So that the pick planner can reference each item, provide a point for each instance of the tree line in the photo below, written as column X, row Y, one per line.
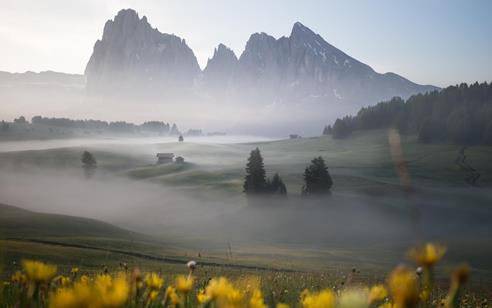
column 317, row 179
column 459, row 114
column 89, row 124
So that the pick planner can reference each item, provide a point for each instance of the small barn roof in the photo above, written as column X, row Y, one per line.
column 165, row 155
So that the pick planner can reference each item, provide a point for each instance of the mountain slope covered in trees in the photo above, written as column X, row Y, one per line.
column 459, row 114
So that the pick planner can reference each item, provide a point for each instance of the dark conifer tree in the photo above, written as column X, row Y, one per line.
column 88, row 163
column 317, row 179
column 327, row 130
column 277, row 186
column 255, row 181
column 341, row 129
column 88, row 160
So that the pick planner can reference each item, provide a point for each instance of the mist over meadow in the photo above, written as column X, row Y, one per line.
column 204, row 217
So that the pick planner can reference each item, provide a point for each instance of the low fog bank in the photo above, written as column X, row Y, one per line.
column 243, row 116
column 27, row 145
column 190, row 214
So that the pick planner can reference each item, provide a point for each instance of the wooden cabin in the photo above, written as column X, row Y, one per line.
column 164, row 158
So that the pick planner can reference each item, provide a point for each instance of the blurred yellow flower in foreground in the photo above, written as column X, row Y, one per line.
column 18, row 277
column 219, row 287
column 80, row 295
column 112, row 292
column 256, row 300
column 202, row 297
column 458, row 278
column 323, row 299
column 62, row 280
column 154, row 281
column 153, row 295
column 377, row 293
column 172, row 296
column 222, row 293
column 403, row 285
column 184, row 284
column 38, row 271
column 427, row 255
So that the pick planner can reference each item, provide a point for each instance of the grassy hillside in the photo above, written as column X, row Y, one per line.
column 358, row 160
column 198, row 206
column 19, row 223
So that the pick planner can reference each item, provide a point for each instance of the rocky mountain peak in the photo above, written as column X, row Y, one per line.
column 221, row 67
column 132, row 52
column 299, row 29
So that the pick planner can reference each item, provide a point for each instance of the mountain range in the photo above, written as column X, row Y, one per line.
column 294, row 83
column 298, row 68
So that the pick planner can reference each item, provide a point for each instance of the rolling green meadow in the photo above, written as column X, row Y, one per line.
column 134, row 213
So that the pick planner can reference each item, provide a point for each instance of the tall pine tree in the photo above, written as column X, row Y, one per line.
column 255, row 180
column 277, row 186
column 317, row 180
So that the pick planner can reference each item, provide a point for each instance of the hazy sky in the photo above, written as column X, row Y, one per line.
column 428, row 41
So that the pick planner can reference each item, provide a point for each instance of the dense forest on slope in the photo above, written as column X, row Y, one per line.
column 459, row 114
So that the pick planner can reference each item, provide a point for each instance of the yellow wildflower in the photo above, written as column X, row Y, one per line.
column 184, row 284
column 18, row 277
column 458, row 278
column 63, row 281
column 403, row 286
column 377, row 293
column 223, row 293
column 219, row 287
column 80, row 295
column 84, row 279
column 153, row 281
column 38, row 271
column 203, row 297
column 460, row 275
column 427, row 255
column 424, row 295
column 74, row 270
column 112, row 292
column 64, row 298
column 234, row 297
column 172, row 296
column 282, row 305
column 323, row 299
column 256, row 300
column 153, row 295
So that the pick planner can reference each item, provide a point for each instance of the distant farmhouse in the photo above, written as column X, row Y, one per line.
column 164, row 158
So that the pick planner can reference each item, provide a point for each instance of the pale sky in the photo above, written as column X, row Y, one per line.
column 428, row 41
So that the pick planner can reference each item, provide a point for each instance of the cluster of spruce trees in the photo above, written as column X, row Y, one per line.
column 458, row 114
column 317, row 180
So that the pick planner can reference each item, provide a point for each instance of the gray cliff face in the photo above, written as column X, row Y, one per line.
column 304, row 66
column 131, row 52
column 220, row 69
column 300, row 69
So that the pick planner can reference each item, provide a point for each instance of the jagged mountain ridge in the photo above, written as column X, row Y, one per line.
column 132, row 52
column 301, row 68
column 220, row 69
column 304, row 65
